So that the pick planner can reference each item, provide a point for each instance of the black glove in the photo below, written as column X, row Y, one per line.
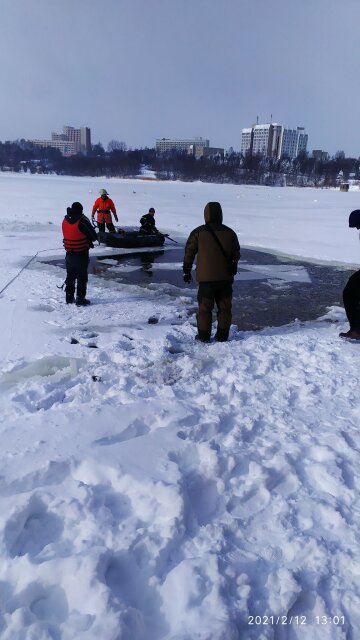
column 187, row 277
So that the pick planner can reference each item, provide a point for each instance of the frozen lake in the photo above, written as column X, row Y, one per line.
column 153, row 487
column 269, row 290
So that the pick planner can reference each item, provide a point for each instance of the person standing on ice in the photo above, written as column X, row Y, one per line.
column 351, row 293
column 79, row 236
column 218, row 252
column 147, row 222
column 104, row 207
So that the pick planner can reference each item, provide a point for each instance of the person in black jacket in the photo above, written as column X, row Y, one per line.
column 351, row 293
column 79, row 235
column 147, row 222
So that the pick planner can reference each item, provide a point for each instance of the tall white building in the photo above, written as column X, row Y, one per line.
column 273, row 140
column 246, row 140
column 70, row 142
column 293, row 142
column 81, row 138
column 266, row 140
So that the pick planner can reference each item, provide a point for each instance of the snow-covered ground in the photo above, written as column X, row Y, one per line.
column 153, row 488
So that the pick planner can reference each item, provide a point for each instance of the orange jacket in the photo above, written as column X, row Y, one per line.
column 104, row 207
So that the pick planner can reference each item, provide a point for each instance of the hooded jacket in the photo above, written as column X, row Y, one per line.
column 78, row 232
column 211, row 264
column 104, row 207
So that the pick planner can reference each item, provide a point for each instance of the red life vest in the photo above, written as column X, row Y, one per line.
column 74, row 239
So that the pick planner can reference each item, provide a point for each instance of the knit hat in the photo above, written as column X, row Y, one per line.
column 213, row 212
column 77, row 207
column 103, row 192
column 354, row 218
column 151, row 210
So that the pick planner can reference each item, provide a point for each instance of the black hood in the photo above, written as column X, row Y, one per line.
column 354, row 218
column 72, row 216
column 213, row 212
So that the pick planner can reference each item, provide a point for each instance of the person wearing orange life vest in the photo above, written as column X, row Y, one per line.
column 79, row 236
column 104, row 207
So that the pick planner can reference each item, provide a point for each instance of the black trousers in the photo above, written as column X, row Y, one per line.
column 76, row 273
column 210, row 293
column 351, row 297
column 109, row 225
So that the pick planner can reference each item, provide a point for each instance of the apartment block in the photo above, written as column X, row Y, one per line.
column 273, row 140
column 321, row 156
column 199, row 151
column 70, row 142
column 293, row 142
column 247, row 140
column 169, row 144
column 65, row 147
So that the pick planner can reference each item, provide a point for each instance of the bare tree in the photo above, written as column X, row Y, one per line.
column 116, row 145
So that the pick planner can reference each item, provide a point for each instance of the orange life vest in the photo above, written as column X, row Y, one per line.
column 74, row 239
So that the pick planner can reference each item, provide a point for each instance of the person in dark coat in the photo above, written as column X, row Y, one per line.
column 215, row 269
column 79, row 235
column 147, row 222
column 351, row 293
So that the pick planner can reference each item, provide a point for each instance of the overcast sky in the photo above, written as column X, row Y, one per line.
column 137, row 70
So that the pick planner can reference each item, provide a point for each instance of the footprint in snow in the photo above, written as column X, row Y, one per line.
column 46, row 603
column 42, row 307
column 129, row 586
column 87, row 335
column 87, row 339
column 175, row 345
column 32, row 529
column 134, row 430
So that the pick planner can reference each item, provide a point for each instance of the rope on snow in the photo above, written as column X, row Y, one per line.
column 24, row 267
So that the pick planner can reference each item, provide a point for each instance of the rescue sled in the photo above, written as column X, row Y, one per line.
column 130, row 239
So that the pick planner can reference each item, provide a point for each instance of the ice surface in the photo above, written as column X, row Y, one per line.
column 153, row 488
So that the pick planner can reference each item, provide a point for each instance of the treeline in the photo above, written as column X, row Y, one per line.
column 305, row 170
column 24, row 156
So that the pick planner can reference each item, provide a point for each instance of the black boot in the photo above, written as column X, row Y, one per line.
column 69, row 295
column 82, row 302
column 221, row 335
column 203, row 336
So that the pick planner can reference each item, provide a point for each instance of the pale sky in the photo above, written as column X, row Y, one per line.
column 137, row 70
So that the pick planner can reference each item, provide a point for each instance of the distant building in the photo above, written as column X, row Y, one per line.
column 70, row 142
column 198, row 151
column 273, row 140
column 294, row 141
column 263, row 139
column 267, row 140
column 247, row 138
column 65, row 147
column 169, row 144
column 321, row 156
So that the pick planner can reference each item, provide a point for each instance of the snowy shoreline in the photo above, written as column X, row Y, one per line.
column 156, row 489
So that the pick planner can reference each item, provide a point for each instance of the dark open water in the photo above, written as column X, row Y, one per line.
column 272, row 290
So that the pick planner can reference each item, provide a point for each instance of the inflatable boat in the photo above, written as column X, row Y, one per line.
column 130, row 239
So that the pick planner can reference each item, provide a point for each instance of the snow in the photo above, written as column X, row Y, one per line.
column 153, row 488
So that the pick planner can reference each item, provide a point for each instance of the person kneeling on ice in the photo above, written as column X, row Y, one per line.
column 147, row 222
column 79, row 236
column 218, row 252
column 104, row 207
column 351, row 293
